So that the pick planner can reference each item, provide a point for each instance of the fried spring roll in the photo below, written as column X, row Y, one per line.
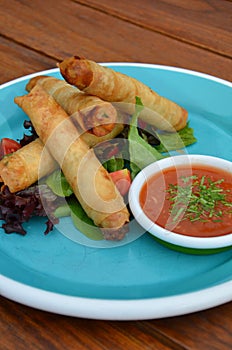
column 73, row 100
column 93, row 140
column 89, row 180
column 113, row 86
column 22, row 168
column 91, row 113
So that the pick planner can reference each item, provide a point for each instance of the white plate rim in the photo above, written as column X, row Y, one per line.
column 111, row 309
column 125, row 64
column 116, row 310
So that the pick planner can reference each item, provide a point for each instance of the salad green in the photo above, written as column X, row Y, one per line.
column 140, row 154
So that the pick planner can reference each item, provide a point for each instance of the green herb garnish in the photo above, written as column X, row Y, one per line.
column 198, row 199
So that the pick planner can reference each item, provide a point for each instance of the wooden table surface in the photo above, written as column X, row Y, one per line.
column 196, row 35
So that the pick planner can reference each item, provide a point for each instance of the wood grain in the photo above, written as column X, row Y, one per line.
column 208, row 330
column 40, row 26
column 41, row 330
column 17, row 61
column 34, row 35
column 202, row 23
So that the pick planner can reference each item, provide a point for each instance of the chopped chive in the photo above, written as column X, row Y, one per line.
column 198, row 200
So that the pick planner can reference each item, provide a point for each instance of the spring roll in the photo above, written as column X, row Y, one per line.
column 89, row 180
column 22, row 168
column 72, row 100
column 113, row 86
column 93, row 115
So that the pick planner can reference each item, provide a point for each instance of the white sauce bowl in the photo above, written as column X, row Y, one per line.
column 169, row 238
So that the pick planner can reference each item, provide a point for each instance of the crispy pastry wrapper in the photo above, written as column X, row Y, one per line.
column 22, row 168
column 89, row 180
column 93, row 115
column 73, row 100
column 113, row 86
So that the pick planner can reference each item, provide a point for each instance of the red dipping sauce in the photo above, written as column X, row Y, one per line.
column 191, row 200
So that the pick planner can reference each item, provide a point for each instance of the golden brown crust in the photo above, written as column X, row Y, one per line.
column 79, row 75
column 33, row 81
column 90, row 182
column 113, row 86
column 93, row 140
column 22, row 168
column 91, row 113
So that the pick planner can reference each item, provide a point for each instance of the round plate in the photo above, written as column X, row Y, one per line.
column 139, row 280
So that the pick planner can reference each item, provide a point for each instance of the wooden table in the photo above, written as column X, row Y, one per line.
column 193, row 34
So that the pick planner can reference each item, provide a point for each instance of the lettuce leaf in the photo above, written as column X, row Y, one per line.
column 174, row 141
column 82, row 222
column 114, row 164
column 58, row 184
column 141, row 153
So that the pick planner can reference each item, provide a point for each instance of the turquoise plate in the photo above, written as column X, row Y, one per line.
column 139, row 280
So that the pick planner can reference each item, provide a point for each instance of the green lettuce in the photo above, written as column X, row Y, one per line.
column 114, row 164
column 177, row 140
column 58, row 184
column 82, row 222
column 141, row 153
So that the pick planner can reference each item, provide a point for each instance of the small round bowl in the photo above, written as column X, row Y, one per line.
column 176, row 241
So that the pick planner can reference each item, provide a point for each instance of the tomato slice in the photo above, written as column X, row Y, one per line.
column 122, row 180
column 8, row 146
